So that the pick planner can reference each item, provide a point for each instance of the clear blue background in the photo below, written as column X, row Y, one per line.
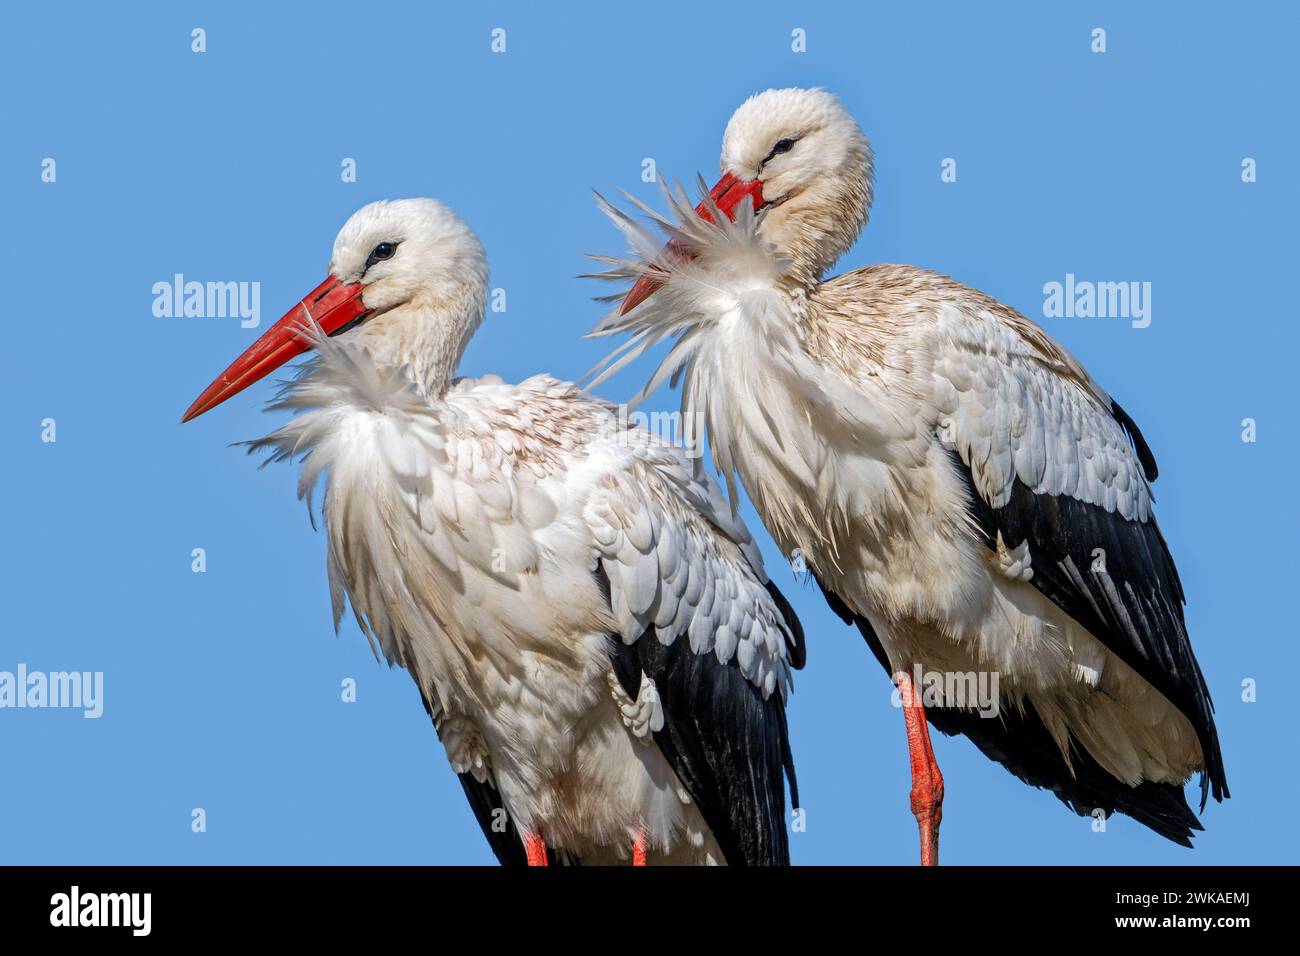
column 223, row 689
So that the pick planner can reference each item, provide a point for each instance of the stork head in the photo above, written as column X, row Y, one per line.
column 805, row 164
column 407, row 281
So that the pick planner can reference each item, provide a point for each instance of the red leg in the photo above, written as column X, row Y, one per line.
column 927, row 781
column 639, row 848
column 536, row 850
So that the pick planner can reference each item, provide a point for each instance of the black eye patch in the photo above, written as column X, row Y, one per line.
column 384, row 250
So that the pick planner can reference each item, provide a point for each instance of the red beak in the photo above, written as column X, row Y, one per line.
column 727, row 196
column 331, row 305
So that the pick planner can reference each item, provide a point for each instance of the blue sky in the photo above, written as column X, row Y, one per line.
column 222, row 689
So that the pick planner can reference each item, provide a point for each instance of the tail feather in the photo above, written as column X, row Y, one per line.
column 1022, row 744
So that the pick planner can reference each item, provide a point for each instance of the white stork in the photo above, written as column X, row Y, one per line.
column 964, row 491
column 591, row 630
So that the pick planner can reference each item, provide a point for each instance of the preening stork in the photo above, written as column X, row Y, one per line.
column 965, row 492
column 590, row 628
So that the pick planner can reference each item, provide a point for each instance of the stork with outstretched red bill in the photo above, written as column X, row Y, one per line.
column 590, row 628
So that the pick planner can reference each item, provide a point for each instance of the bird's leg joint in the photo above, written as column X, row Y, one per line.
column 927, row 782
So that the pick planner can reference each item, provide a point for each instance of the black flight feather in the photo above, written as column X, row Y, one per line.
column 728, row 745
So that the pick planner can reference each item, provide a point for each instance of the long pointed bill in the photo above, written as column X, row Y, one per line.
column 332, row 305
column 727, row 196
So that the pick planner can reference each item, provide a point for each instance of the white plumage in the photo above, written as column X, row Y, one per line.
column 948, row 471
column 495, row 540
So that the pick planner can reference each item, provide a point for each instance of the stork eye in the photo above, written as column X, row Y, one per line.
column 782, row 146
column 381, row 252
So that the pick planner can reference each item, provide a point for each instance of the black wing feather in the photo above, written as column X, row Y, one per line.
column 1140, row 445
column 728, row 746
column 484, row 801
column 1022, row 743
column 794, row 630
column 507, row 844
column 1116, row 578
